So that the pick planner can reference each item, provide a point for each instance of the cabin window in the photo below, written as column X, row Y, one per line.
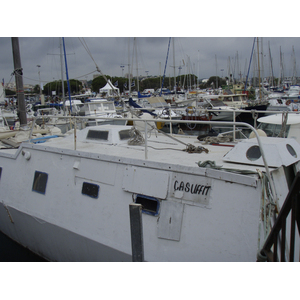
column 97, row 135
column 150, row 205
column 124, row 134
column 90, row 189
column 253, row 153
column 289, row 148
column 40, row 182
column 273, row 130
column 0, row 172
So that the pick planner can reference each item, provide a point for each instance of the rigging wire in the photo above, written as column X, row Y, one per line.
column 84, row 44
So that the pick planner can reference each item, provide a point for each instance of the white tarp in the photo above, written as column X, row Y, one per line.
column 109, row 89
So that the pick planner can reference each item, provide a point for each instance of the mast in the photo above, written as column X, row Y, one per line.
column 129, row 79
column 174, row 66
column 163, row 79
column 259, row 86
column 68, row 82
column 262, row 63
column 249, row 65
column 62, row 74
column 294, row 80
column 281, row 68
column 216, row 71
column 136, row 59
column 271, row 66
column 18, row 72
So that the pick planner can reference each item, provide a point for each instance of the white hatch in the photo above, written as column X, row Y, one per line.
column 105, row 134
column 277, row 151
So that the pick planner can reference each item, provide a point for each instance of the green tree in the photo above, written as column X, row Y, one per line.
column 75, row 87
column 99, row 82
column 212, row 82
column 36, row 89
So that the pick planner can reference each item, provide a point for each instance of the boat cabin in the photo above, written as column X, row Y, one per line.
column 105, row 134
column 272, row 126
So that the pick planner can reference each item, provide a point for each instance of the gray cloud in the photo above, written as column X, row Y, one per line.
column 110, row 53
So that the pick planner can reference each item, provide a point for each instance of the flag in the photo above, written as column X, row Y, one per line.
column 125, row 85
column 132, row 83
column 116, row 83
column 2, row 81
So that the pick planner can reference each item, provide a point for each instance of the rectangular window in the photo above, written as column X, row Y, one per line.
column 90, row 189
column 150, row 205
column 97, row 135
column 40, row 182
column 0, row 172
column 124, row 134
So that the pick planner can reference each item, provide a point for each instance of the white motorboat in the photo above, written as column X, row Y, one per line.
column 281, row 125
column 219, row 110
column 96, row 110
column 69, row 199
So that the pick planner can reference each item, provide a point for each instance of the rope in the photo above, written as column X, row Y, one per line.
column 84, row 44
column 193, row 149
column 217, row 139
column 212, row 164
column 208, row 163
column 136, row 137
column 18, row 72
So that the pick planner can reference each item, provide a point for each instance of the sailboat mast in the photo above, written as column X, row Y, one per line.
column 137, row 69
column 259, row 86
column 216, row 71
column 271, row 66
column 294, row 68
column 68, row 82
column 129, row 79
column 18, row 72
column 262, row 62
column 62, row 74
column 174, row 65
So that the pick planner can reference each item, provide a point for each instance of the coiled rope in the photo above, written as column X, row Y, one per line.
column 136, row 137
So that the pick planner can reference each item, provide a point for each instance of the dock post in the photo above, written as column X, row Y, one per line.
column 136, row 228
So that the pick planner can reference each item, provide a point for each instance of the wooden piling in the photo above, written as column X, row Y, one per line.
column 136, row 228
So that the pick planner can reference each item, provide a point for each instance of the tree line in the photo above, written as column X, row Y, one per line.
column 76, row 86
column 183, row 82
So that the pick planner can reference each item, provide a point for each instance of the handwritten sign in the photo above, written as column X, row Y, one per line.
column 193, row 188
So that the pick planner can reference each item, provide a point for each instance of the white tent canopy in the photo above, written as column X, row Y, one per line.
column 109, row 89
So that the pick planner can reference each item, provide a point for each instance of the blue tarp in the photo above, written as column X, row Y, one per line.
column 135, row 105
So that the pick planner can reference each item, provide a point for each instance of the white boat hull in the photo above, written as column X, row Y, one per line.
column 65, row 225
column 223, row 115
column 53, row 242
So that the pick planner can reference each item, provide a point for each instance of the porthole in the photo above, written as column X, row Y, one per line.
column 291, row 150
column 40, row 182
column 253, row 153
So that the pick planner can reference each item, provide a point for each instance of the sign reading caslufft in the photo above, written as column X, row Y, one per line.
column 191, row 188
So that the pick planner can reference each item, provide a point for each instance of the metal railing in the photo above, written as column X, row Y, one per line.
column 275, row 248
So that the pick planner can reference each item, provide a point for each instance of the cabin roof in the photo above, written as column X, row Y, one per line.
column 164, row 149
column 167, row 152
column 277, row 119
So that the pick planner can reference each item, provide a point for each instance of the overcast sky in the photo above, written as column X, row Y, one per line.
column 204, row 56
column 198, row 48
